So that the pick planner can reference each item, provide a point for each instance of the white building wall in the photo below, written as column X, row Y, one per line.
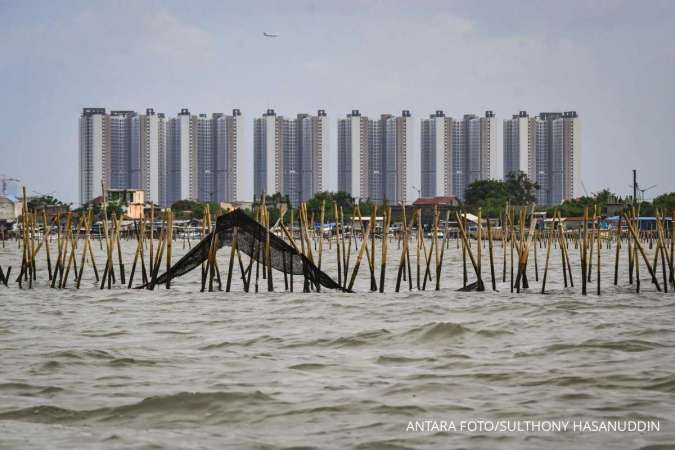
column 151, row 159
column 440, row 147
column 322, row 154
column 357, row 171
column 523, row 143
column 239, row 146
column 186, row 162
column 495, row 171
column 575, row 154
column 98, row 156
column 413, row 162
column 271, row 156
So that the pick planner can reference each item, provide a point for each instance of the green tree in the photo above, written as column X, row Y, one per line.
column 45, row 201
column 489, row 195
column 520, row 189
column 665, row 202
column 189, row 209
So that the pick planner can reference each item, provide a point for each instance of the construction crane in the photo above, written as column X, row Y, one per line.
column 5, row 179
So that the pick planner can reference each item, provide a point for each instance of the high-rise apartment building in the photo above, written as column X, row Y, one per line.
column 455, row 153
column 289, row 155
column 481, row 147
column 557, row 157
column 436, row 139
column 519, row 136
column 94, row 149
column 229, row 135
column 202, row 155
column 547, row 149
column 353, row 144
column 219, row 138
column 181, row 158
column 148, row 155
column 185, row 157
column 376, row 158
column 120, row 145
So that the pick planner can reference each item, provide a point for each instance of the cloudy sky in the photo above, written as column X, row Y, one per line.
column 611, row 61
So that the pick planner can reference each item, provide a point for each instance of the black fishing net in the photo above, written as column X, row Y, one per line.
column 251, row 240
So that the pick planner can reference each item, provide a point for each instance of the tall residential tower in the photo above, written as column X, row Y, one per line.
column 289, row 155
column 94, row 161
column 557, row 157
column 457, row 153
column 376, row 158
column 547, row 149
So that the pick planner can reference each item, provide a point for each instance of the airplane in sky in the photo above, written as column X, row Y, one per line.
column 270, row 35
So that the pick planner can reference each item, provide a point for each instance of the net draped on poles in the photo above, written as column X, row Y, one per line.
column 251, row 238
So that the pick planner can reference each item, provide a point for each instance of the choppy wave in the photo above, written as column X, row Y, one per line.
column 187, row 404
column 178, row 369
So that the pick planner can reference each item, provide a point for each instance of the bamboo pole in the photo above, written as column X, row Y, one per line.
column 584, row 245
column 644, row 256
column 617, row 252
column 357, row 264
column 490, row 249
column 548, row 254
column 479, row 286
column 432, row 249
column 591, row 244
column 443, row 245
column 672, row 248
column 598, row 250
column 479, row 242
column 268, row 253
column 46, row 243
column 233, row 250
column 417, row 259
column 402, row 259
column 512, row 236
column 169, row 245
column 337, row 243
column 383, row 262
column 537, row 240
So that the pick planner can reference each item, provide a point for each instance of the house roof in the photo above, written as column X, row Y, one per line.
column 440, row 200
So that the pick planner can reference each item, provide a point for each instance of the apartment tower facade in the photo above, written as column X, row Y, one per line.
column 518, row 142
column 546, row 148
column 436, row 147
column 376, row 158
column 455, row 153
column 289, row 155
column 94, row 153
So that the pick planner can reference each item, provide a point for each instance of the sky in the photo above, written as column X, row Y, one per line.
column 611, row 61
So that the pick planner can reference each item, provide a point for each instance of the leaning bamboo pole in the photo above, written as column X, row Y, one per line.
column 169, row 245
column 644, row 256
column 439, row 265
column 402, row 259
column 362, row 249
column 490, row 250
column 479, row 283
column 617, row 252
column 548, row 254
column 337, row 243
column 598, row 251
column 672, row 248
column 584, row 255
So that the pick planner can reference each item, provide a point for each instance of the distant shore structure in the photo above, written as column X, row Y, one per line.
column 198, row 157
